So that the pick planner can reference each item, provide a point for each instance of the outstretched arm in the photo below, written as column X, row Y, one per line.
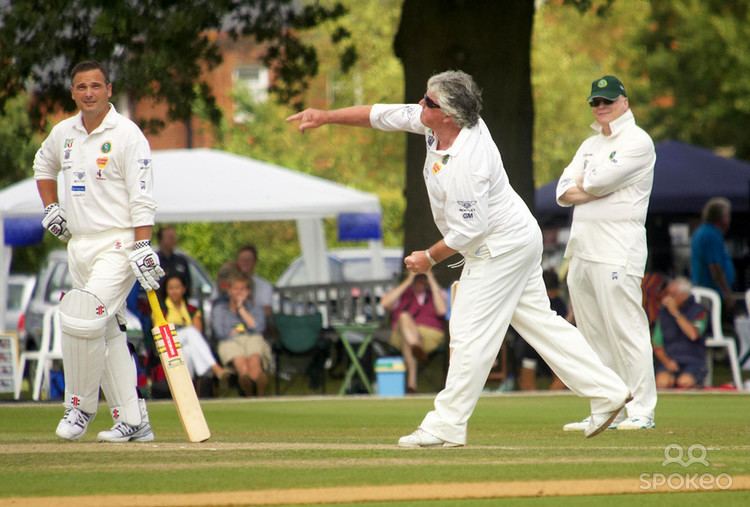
column 358, row 116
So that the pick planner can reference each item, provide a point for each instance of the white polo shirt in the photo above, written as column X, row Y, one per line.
column 107, row 174
column 619, row 168
column 471, row 198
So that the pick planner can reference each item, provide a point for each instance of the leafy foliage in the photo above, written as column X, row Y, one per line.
column 365, row 159
column 698, row 60
column 154, row 48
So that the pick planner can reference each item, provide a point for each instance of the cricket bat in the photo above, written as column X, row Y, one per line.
column 178, row 377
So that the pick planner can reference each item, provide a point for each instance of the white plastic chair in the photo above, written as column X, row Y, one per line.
column 50, row 349
column 711, row 300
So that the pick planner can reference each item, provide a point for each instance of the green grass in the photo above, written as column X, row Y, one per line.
column 255, row 446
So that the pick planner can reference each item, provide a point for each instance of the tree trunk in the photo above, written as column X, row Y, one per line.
column 491, row 40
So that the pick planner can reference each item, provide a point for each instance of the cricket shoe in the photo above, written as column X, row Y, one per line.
column 637, row 423
column 420, row 438
column 124, row 432
column 600, row 422
column 582, row 425
column 73, row 424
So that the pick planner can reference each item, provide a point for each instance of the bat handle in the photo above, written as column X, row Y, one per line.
column 153, row 301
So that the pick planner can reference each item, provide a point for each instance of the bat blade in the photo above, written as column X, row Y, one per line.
column 178, row 376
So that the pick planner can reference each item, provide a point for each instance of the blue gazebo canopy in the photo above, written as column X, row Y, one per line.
column 685, row 177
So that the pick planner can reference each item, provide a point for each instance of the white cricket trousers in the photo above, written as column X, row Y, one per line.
column 99, row 264
column 608, row 305
column 493, row 293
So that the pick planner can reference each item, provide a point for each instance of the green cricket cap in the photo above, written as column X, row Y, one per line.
column 608, row 87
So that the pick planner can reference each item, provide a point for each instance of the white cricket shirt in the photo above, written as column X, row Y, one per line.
column 471, row 198
column 107, row 174
column 619, row 167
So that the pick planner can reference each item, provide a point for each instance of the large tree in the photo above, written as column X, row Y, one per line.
column 492, row 42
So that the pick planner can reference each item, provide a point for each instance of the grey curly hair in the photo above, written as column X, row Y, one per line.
column 458, row 95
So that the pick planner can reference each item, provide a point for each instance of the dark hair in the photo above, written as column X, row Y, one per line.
column 179, row 276
column 89, row 65
column 251, row 248
column 160, row 231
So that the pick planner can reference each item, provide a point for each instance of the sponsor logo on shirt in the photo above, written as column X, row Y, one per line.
column 77, row 190
column 612, row 156
column 144, row 163
column 436, row 167
column 101, row 162
column 67, row 154
column 69, row 143
column 466, row 208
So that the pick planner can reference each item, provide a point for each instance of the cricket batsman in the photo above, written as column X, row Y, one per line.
column 106, row 219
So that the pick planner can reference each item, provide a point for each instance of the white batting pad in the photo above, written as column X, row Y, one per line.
column 82, row 314
column 83, row 318
column 120, row 380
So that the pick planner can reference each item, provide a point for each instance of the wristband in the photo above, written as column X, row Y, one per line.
column 141, row 243
column 429, row 257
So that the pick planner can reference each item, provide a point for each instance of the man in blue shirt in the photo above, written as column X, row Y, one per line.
column 710, row 263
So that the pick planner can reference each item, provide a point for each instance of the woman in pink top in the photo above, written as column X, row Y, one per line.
column 418, row 309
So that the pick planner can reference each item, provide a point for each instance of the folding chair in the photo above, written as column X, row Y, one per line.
column 711, row 300
column 300, row 335
column 49, row 350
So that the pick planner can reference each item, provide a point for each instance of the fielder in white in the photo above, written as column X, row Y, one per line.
column 106, row 217
column 609, row 182
column 482, row 217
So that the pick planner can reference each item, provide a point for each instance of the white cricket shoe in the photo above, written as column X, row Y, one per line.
column 73, row 424
column 123, row 432
column 421, row 438
column 600, row 422
column 582, row 425
column 637, row 423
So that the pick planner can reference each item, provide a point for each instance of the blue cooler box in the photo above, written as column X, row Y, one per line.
column 391, row 376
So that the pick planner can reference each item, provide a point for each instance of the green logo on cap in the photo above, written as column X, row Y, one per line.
column 602, row 83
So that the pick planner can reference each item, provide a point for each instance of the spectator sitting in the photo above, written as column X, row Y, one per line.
column 679, row 342
column 171, row 261
column 417, row 320
column 238, row 327
column 187, row 320
column 247, row 259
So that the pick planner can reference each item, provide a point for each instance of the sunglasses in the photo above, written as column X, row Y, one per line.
column 430, row 103
column 599, row 101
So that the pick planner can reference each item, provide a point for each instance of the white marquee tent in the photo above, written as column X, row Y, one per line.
column 204, row 185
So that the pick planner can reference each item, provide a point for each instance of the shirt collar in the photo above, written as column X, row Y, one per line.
column 109, row 121
column 618, row 125
column 463, row 134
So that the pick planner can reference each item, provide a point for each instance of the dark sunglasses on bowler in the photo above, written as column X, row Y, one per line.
column 430, row 103
column 598, row 101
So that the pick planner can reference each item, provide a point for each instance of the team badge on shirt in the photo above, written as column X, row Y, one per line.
column 612, row 156
column 436, row 167
column 106, row 147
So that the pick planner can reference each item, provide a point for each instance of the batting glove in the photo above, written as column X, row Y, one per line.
column 145, row 265
column 54, row 221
